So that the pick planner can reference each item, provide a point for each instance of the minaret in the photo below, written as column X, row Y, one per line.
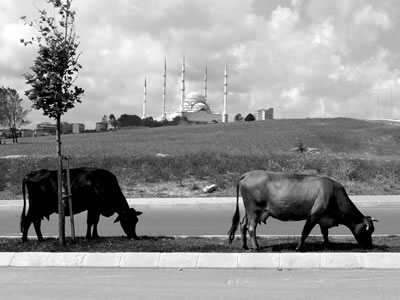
column 224, row 113
column 163, row 116
column 144, row 99
column 205, row 83
column 183, row 84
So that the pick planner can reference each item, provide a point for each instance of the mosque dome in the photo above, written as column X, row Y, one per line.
column 195, row 102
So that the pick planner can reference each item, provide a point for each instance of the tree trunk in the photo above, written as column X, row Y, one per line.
column 61, row 221
column 15, row 134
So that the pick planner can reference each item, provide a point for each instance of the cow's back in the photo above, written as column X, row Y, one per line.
column 97, row 189
column 284, row 196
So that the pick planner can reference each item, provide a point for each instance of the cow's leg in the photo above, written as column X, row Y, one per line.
column 93, row 220
column 27, row 221
column 310, row 223
column 243, row 231
column 95, row 235
column 89, row 225
column 324, row 231
column 36, row 225
column 253, row 234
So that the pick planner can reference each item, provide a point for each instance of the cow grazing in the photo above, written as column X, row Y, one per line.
column 291, row 197
column 94, row 190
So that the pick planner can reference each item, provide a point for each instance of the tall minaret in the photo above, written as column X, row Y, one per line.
column 163, row 116
column 183, row 84
column 144, row 99
column 224, row 113
column 205, row 83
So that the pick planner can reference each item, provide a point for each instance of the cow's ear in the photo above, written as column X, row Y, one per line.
column 117, row 219
column 138, row 213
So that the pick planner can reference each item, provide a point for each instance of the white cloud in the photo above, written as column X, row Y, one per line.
column 283, row 54
column 372, row 16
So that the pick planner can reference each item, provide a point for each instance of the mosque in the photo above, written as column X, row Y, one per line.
column 193, row 106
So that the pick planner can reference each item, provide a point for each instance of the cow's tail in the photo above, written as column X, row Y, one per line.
column 235, row 218
column 23, row 216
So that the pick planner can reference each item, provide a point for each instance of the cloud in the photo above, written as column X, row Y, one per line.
column 290, row 55
column 369, row 15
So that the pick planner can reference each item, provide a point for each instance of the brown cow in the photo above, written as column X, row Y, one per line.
column 292, row 197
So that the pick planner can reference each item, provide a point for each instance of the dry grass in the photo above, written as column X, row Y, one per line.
column 362, row 155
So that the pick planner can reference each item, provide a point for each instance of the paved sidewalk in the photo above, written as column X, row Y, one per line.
column 190, row 260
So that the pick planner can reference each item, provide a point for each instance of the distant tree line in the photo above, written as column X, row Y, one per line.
column 126, row 120
column 248, row 118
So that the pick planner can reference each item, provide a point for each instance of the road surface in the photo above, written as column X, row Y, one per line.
column 186, row 221
column 109, row 283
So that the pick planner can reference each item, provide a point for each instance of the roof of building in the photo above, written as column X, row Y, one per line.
column 195, row 102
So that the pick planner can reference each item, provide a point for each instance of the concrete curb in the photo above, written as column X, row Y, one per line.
column 383, row 201
column 157, row 260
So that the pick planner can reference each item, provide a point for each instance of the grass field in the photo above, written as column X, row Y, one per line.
column 197, row 244
column 362, row 155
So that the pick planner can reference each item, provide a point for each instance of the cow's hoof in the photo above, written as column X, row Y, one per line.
column 245, row 248
column 299, row 249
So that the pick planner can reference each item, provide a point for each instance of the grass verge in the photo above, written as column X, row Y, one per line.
column 389, row 243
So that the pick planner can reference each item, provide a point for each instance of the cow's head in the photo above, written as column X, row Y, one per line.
column 128, row 220
column 363, row 232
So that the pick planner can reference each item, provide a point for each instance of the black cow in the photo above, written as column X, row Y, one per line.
column 291, row 197
column 94, row 190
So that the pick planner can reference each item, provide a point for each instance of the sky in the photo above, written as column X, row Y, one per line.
column 304, row 58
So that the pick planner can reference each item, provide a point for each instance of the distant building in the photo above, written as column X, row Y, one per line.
column 45, row 128
column 195, row 109
column 101, row 126
column 264, row 114
column 26, row 132
column 193, row 106
column 78, row 128
column 66, row 128
column 4, row 132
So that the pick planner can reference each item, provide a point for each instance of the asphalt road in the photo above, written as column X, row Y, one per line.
column 109, row 283
column 189, row 222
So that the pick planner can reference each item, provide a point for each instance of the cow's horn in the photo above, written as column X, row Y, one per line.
column 375, row 220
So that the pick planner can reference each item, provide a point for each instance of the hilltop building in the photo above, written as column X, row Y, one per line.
column 78, row 128
column 193, row 106
column 47, row 128
column 264, row 114
column 101, row 126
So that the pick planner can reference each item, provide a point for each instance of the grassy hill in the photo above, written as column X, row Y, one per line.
column 360, row 154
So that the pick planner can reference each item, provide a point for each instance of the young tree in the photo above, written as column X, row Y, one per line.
column 238, row 117
column 113, row 121
column 129, row 120
column 12, row 114
column 250, row 117
column 54, row 72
